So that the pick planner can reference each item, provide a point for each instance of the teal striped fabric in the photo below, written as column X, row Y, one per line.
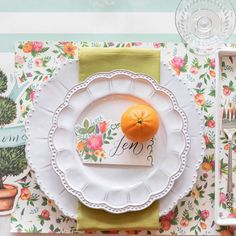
column 88, row 5
column 8, row 39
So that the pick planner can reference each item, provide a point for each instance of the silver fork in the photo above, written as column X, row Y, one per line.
column 229, row 128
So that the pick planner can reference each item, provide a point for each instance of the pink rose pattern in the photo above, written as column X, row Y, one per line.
column 179, row 64
column 222, row 198
column 94, row 142
column 194, row 214
column 38, row 62
column 37, row 46
column 193, row 70
column 19, row 59
column 204, row 214
column 32, row 95
column 212, row 62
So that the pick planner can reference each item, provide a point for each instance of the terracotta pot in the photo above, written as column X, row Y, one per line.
column 7, row 197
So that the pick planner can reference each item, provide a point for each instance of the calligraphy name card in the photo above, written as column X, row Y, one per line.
column 100, row 141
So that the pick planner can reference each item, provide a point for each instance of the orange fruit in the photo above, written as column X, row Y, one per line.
column 139, row 123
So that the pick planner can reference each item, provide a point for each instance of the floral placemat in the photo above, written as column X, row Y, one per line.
column 194, row 214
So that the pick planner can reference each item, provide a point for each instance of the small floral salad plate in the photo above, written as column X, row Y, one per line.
column 94, row 159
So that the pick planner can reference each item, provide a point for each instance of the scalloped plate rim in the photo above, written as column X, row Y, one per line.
column 151, row 197
column 73, row 213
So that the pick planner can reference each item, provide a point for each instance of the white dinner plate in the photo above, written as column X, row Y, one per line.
column 113, row 187
column 40, row 158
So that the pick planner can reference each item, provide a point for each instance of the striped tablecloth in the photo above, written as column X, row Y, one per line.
column 88, row 20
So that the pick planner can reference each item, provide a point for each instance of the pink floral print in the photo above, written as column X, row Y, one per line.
column 94, row 142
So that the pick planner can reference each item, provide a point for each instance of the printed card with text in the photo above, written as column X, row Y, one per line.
column 101, row 141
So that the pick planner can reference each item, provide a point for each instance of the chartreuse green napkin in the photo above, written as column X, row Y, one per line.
column 94, row 60
column 141, row 60
column 94, row 219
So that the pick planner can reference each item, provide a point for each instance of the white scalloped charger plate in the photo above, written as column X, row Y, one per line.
column 119, row 188
column 40, row 158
